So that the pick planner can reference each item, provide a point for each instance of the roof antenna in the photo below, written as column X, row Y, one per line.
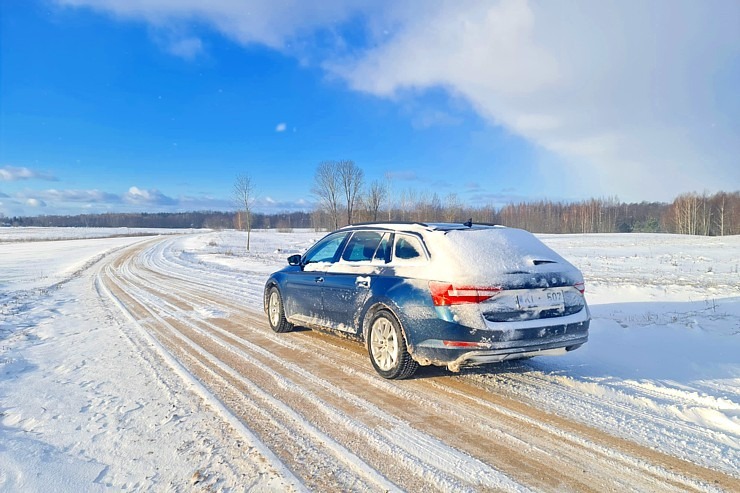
column 469, row 223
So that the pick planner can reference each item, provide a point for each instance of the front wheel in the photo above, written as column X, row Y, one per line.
column 276, row 312
column 387, row 347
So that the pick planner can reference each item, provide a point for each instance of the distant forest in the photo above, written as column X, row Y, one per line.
column 690, row 213
column 195, row 219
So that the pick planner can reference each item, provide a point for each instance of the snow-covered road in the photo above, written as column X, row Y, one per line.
column 182, row 383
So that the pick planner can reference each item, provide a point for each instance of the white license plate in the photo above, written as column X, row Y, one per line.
column 543, row 299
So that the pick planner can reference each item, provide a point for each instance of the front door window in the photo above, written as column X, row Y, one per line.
column 324, row 251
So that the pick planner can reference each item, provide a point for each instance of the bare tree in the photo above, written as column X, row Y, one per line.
column 453, row 208
column 350, row 178
column 406, row 204
column 376, row 195
column 389, row 189
column 427, row 207
column 685, row 213
column 326, row 187
column 244, row 196
column 706, row 215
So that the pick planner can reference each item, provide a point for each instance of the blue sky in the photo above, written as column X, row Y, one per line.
column 122, row 105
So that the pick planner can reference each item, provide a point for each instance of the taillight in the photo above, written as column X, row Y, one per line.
column 580, row 286
column 445, row 293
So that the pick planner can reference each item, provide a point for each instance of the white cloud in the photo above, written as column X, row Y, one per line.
column 139, row 196
column 426, row 118
column 270, row 205
column 268, row 22
column 35, row 203
column 94, row 196
column 281, row 127
column 187, row 48
column 15, row 173
column 633, row 98
column 11, row 173
column 96, row 201
column 625, row 94
column 470, row 47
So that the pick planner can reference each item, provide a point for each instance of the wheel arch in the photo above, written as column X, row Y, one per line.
column 271, row 283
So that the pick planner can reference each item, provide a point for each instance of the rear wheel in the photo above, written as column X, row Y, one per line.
column 276, row 312
column 387, row 347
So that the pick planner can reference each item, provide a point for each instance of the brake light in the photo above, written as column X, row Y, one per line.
column 444, row 293
column 580, row 286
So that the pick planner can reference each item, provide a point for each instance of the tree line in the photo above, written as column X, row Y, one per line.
column 179, row 220
column 344, row 198
column 691, row 213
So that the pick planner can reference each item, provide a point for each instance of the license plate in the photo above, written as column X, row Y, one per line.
column 543, row 299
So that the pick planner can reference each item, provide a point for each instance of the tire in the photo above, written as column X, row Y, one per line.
column 276, row 312
column 387, row 347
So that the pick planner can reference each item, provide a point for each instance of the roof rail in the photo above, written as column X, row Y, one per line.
column 427, row 226
column 380, row 223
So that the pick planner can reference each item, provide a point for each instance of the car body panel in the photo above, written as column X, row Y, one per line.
column 303, row 297
column 343, row 294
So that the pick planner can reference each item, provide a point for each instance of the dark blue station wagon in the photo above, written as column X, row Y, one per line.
column 434, row 294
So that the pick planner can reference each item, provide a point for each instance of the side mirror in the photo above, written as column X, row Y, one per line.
column 294, row 260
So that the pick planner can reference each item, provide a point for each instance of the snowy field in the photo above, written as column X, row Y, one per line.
column 60, row 252
column 662, row 367
column 25, row 234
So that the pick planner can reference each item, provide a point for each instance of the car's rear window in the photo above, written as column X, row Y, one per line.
column 486, row 255
column 407, row 248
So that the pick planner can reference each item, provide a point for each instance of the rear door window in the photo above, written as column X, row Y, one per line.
column 383, row 253
column 362, row 246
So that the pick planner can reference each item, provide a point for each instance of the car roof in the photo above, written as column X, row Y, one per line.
column 420, row 227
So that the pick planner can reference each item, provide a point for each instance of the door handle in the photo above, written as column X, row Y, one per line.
column 319, row 280
column 362, row 282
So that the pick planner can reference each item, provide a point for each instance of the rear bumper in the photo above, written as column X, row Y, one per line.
column 496, row 346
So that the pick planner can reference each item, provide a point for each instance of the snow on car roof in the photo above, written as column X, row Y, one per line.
column 476, row 254
column 463, row 226
column 419, row 226
column 486, row 256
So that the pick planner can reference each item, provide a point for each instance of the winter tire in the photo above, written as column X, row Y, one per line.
column 387, row 347
column 276, row 312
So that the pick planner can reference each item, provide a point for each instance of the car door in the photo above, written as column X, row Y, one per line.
column 302, row 297
column 347, row 282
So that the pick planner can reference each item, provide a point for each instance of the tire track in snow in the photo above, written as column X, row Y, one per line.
column 667, row 429
column 629, row 408
column 203, row 291
column 284, row 437
column 255, row 449
column 440, row 479
column 520, row 461
column 648, row 420
column 668, row 422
